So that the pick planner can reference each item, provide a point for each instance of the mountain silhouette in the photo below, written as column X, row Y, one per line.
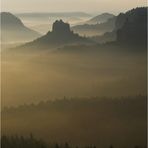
column 132, row 27
column 59, row 36
column 95, row 29
column 13, row 30
column 100, row 18
column 54, row 14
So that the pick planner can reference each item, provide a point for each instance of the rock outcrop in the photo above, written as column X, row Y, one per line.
column 60, row 35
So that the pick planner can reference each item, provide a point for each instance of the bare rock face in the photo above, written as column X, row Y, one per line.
column 61, row 35
column 59, row 27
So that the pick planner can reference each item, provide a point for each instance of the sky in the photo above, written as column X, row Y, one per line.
column 70, row 5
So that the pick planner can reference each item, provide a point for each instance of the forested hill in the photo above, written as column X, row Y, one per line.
column 132, row 27
column 63, row 120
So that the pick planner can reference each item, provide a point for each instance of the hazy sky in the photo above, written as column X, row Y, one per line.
column 70, row 5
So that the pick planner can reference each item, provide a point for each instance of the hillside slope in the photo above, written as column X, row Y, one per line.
column 13, row 30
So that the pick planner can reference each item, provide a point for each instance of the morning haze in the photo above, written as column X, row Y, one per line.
column 74, row 76
column 71, row 5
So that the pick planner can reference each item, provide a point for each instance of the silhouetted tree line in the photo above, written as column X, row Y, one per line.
column 31, row 142
column 73, row 103
column 21, row 142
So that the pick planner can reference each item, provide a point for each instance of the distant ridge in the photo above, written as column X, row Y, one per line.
column 13, row 30
column 95, row 29
column 100, row 18
column 54, row 14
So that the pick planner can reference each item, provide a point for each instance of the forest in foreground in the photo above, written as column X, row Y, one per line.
column 31, row 142
column 81, row 121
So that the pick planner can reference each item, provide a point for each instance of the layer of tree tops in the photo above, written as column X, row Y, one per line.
column 71, row 103
column 31, row 142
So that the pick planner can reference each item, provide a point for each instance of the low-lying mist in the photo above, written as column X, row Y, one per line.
column 31, row 77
